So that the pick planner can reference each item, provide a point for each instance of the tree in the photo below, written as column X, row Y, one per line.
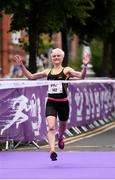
column 47, row 16
column 35, row 17
column 100, row 24
column 73, row 12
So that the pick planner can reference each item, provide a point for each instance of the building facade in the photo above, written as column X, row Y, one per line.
column 9, row 45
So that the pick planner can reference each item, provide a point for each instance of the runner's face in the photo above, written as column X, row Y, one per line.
column 56, row 57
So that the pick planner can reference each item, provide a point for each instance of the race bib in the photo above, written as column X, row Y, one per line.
column 55, row 88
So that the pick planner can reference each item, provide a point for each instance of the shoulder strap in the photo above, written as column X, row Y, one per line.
column 67, row 77
column 50, row 71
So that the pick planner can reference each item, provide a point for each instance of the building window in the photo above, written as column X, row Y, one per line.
column 15, row 37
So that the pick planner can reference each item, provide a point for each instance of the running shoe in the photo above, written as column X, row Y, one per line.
column 61, row 143
column 53, row 156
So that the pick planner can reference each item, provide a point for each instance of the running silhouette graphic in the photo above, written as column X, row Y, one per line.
column 19, row 105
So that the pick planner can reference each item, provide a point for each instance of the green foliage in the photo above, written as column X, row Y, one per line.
column 101, row 21
column 44, row 43
column 24, row 44
column 76, row 62
column 87, row 18
column 50, row 15
column 96, row 50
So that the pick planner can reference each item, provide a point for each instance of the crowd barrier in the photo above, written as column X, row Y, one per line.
column 22, row 106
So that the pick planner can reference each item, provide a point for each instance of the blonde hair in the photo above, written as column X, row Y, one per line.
column 60, row 50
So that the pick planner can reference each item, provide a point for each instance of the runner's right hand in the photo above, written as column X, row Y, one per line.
column 18, row 59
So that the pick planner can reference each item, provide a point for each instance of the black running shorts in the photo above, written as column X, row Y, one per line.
column 60, row 109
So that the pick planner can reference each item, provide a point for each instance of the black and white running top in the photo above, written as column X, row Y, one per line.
column 57, row 90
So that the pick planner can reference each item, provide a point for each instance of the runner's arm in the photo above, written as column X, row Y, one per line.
column 34, row 76
column 26, row 72
column 76, row 74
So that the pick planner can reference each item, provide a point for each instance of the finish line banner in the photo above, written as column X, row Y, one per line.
column 22, row 108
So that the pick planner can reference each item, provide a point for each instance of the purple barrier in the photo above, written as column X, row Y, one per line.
column 90, row 102
column 22, row 110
